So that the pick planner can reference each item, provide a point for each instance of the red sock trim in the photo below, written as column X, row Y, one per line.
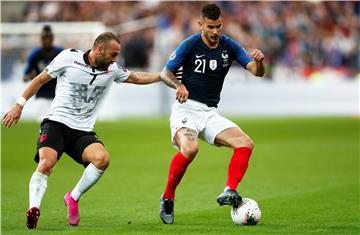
column 186, row 161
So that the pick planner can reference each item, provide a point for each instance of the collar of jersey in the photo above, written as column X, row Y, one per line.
column 86, row 60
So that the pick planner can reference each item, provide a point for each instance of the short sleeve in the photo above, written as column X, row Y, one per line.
column 58, row 65
column 240, row 54
column 178, row 57
column 121, row 74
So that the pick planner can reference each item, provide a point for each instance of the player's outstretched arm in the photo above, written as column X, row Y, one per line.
column 142, row 78
column 256, row 66
column 13, row 115
column 170, row 80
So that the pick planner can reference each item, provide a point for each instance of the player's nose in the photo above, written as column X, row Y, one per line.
column 114, row 59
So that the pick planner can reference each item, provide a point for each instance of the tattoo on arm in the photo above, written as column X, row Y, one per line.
column 190, row 134
column 169, row 78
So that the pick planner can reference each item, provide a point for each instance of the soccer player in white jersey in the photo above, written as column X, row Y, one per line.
column 83, row 79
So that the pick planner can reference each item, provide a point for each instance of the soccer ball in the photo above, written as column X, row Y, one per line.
column 248, row 213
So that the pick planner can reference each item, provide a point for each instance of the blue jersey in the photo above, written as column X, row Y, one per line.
column 36, row 62
column 204, row 68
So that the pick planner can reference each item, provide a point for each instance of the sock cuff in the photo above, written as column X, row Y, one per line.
column 75, row 194
column 41, row 175
column 182, row 158
column 243, row 149
column 92, row 168
column 38, row 178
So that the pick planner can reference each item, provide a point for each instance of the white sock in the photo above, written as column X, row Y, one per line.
column 37, row 188
column 226, row 188
column 88, row 179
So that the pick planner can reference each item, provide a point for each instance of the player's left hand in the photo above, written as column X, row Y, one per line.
column 182, row 94
column 257, row 55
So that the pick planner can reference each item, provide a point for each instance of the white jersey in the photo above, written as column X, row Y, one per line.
column 80, row 88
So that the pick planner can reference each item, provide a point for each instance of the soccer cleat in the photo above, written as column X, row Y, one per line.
column 32, row 217
column 73, row 209
column 167, row 210
column 229, row 197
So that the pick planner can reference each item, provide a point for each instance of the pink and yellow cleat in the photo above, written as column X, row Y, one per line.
column 73, row 209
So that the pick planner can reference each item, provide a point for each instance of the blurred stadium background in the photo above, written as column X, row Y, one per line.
column 311, row 48
column 304, row 172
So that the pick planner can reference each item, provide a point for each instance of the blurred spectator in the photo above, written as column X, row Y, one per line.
column 136, row 51
column 37, row 60
column 300, row 35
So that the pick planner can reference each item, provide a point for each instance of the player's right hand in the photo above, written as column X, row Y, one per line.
column 13, row 116
column 182, row 94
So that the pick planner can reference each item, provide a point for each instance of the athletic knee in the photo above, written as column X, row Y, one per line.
column 249, row 143
column 190, row 150
column 101, row 160
column 244, row 141
column 45, row 166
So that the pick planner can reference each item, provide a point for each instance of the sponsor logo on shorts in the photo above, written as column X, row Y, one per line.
column 43, row 137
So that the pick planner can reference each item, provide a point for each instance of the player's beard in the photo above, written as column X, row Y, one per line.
column 212, row 39
column 101, row 63
column 215, row 38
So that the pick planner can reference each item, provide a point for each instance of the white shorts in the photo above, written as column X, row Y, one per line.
column 206, row 121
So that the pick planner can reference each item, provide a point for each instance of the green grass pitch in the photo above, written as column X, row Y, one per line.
column 304, row 173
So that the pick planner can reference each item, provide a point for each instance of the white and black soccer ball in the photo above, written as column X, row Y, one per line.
column 248, row 213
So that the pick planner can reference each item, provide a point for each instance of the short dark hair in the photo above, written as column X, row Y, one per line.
column 211, row 11
column 46, row 31
column 105, row 38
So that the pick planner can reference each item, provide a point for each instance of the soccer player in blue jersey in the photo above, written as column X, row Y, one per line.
column 205, row 58
column 36, row 62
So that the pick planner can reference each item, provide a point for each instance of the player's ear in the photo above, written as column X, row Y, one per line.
column 200, row 23
column 100, row 49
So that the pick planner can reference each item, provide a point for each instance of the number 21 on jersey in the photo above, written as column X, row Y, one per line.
column 201, row 64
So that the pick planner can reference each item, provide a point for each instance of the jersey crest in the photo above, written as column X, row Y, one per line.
column 224, row 54
column 213, row 64
column 225, row 57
